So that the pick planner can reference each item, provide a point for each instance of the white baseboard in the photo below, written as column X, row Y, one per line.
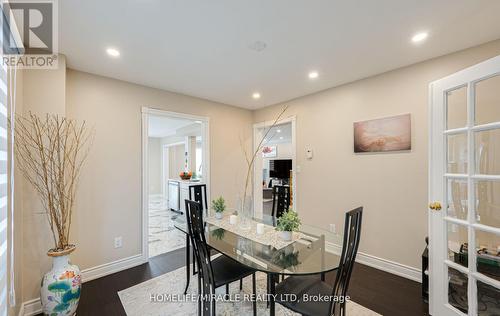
column 31, row 307
column 382, row 264
column 112, row 267
column 34, row 306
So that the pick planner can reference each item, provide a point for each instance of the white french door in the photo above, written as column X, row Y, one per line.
column 464, row 192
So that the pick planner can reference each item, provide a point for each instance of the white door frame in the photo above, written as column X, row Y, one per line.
column 438, row 263
column 257, row 174
column 205, row 133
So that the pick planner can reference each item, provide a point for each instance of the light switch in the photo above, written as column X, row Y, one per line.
column 309, row 153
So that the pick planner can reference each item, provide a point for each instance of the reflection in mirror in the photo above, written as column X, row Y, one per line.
column 488, row 300
column 457, row 153
column 457, row 244
column 488, row 203
column 488, row 254
column 457, row 199
column 457, row 290
column 488, row 152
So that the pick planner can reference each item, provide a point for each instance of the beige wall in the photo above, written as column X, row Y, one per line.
column 176, row 160
column 43, row 92
column 154, row 165
column 109, row 195
column 392, row 187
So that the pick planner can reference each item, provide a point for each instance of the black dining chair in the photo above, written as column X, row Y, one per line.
column 313, row 285
column 212, row 273
column 198, row 193
column 281, row 200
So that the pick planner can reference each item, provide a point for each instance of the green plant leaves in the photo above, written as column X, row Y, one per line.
column 289, row 221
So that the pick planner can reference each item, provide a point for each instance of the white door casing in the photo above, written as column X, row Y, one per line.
column 452, row 166
column 146, row 112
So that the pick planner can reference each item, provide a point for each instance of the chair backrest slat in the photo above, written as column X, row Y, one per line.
column 198, row 193
column 281, row 200
column 352, row 235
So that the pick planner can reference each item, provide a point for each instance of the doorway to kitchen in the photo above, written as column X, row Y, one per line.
column 175, row 157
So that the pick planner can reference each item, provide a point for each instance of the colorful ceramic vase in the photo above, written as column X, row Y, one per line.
column 61, row 286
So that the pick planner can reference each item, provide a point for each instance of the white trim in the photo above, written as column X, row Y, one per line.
column 34, row 306
column 158, row 112
column 145, row 185
column 389, row 266
column 31, row 307
column 112, row 267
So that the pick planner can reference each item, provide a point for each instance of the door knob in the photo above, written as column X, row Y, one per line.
column 435, row 206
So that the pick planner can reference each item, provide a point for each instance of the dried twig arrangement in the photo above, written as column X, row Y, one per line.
column 50, row 153
column 251, row 159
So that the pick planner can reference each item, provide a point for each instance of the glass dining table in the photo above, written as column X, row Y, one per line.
column 306, row 254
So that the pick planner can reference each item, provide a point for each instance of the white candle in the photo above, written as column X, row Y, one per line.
column 233, row 219
column 260, row 229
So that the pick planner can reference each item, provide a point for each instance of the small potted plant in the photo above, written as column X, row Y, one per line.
column 219, row 206
column 288, row 223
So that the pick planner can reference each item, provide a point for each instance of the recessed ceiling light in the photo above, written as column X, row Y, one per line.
column 198, row 122
column 278, row 131
column 281, row 137
column 256, row 95
column 113, row 52
column 419, row 37
column 313, row 75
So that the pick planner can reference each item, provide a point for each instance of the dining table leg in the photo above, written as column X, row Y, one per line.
column 272, row 291
column 188, row 264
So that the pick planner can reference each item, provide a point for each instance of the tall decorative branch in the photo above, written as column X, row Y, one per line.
column 251, row 159
column 50, row 153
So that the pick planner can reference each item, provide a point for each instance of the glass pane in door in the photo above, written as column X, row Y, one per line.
column 488, row 300
column 487, row 254
column 457, row 199
column 457, row 244
column 488, row 101
column 456, row 109
column 488, row 152
column 457, row 153
column 488, row 203
column 457, row 290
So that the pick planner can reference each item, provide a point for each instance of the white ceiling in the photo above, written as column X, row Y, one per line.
column 202, row 48
column 161, row 126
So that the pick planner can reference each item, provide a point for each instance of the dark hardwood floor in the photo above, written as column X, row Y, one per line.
column 382, row 292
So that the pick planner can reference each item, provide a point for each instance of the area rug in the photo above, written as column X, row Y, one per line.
column 162, row 296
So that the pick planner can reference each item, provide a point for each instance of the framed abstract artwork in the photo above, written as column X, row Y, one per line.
column 269, row 152
column 385, row 134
